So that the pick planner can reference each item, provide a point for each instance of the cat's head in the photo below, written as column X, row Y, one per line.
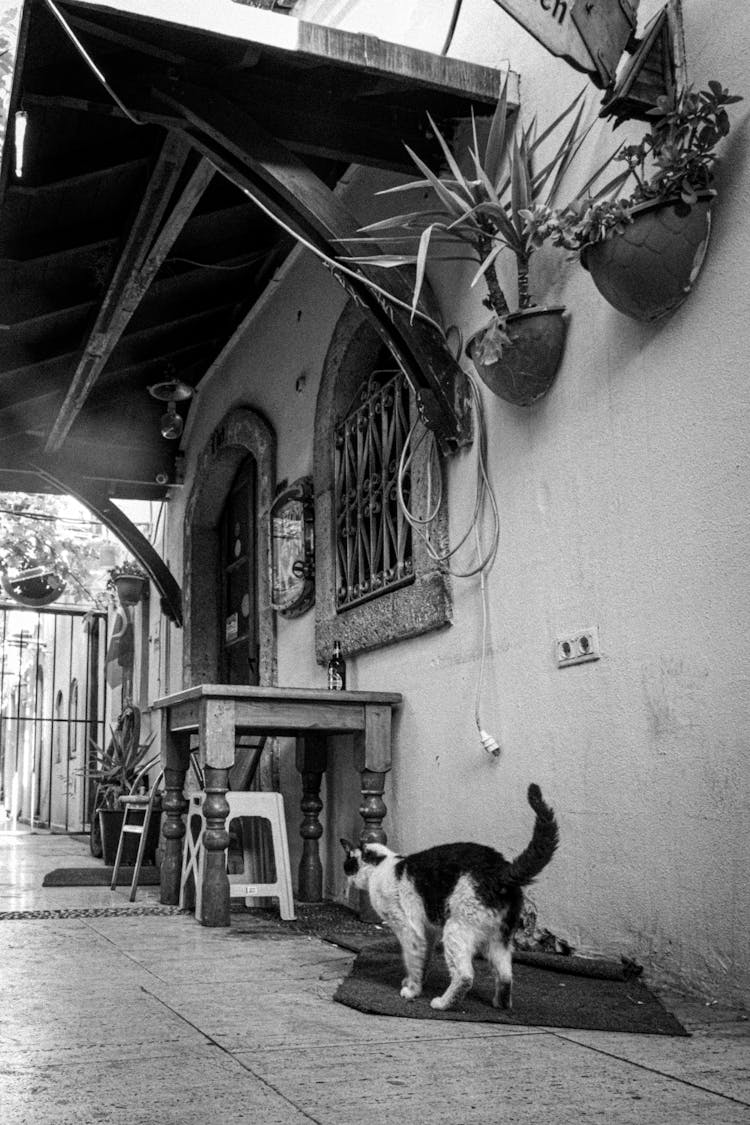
column 361, row 862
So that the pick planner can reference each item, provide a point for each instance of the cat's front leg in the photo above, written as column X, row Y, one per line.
column 414, row 948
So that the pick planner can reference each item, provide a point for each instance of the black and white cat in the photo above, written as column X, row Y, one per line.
column 469, row 891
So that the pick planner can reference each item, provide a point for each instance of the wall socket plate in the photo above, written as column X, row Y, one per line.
column 578, row 648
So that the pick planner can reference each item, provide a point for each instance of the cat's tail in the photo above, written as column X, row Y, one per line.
column 542, row 845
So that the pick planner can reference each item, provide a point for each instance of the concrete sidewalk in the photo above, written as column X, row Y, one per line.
column 137, row 1015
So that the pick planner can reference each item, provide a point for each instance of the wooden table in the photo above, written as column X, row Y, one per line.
column 218, row 713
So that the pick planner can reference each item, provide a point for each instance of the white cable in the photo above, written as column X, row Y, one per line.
column 484, row 492
column 87, row 58
column 420, row 525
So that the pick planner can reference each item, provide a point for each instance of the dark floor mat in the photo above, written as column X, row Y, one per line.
column 99, row 877
column 542, row 997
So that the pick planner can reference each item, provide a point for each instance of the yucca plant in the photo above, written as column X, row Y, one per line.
column 119, row 762
column 478, row 216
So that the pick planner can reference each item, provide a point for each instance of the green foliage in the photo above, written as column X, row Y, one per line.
column 675, row 160
column 479, row 214
column 8, row 34
column 33, row 532
column 119, row 762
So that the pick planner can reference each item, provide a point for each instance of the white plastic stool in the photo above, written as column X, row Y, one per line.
column 268, row 806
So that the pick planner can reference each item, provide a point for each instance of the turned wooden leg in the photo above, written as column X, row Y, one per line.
column 373, row 808
column 372, row 757
column 215, row 889
column 173, row 831
column 311, row 761
column 175, row 755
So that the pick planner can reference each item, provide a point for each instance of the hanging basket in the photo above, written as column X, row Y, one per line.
column 647, row 271
column 528, row 365
column 129, row 588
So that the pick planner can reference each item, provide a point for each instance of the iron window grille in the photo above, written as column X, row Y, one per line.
column 373, row 539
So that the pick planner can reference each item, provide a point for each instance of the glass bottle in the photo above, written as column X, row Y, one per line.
column 337, row 669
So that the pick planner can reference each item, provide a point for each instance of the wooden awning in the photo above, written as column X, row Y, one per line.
column 175, row 153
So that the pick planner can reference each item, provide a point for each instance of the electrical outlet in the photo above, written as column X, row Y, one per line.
column 577, row 648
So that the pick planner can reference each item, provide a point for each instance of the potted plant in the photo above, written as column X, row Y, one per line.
column 477, row 216
column 644, row 251
column 114, row 770
column 129, row 581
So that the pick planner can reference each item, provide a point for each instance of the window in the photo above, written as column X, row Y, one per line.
column 73, row 720
column 375, row 580
column 59, row 725
column 373, row 539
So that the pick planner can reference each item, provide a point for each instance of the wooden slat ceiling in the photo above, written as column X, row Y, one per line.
column 126, row 258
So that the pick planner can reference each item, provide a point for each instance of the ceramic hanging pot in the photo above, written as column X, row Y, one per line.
column 129, row 588
column 647, row 271
column 528, row 365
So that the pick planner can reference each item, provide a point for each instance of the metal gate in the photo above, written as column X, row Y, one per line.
column 52, row 705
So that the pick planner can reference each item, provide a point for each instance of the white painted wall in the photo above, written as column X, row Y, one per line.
column 623, row 504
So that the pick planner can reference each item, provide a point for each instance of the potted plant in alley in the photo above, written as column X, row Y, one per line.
column 479, row 214
column 644, row 251
column 129, row 582
column 114, row 769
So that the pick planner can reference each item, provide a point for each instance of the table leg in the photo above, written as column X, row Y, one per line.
column 373, row 807
column 215, row 890
column 311, row 761
column 175, row 757
column 372, row 757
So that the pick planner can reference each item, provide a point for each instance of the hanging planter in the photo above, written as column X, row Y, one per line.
column 499, row 198
column 648, row 270
column 528, row 363
column 129, row 582
column 645, row 251
column 33, row 586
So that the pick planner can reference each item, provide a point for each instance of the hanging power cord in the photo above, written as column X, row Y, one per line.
column 421, row 526
column 88, row 59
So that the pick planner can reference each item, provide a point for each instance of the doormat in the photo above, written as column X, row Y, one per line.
column 99, row 877
column 542, row 997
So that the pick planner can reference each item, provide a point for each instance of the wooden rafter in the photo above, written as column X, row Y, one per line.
column 115, row 519
column 136, row 269
column 291, row 192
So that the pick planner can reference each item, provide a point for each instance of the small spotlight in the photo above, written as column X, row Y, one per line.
column 171, row 391
column 170, row 423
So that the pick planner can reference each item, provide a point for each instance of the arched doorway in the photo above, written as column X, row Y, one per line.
column 233, row 485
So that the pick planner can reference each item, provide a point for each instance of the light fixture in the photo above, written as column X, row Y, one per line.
column 171, row 391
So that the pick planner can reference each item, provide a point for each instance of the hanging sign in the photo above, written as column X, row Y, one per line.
column 591, row 35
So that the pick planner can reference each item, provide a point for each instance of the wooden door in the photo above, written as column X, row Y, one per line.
column 238, row 639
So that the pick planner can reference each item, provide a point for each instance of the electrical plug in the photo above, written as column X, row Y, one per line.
column 490, row 744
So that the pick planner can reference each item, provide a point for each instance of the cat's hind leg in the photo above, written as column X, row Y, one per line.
column 458, row 948
column 500, row 958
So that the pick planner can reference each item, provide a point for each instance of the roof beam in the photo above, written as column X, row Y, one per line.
column 134, row 273
column 291, row 192
column 96, row 500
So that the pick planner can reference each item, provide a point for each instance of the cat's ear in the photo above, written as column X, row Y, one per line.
column 346, row 846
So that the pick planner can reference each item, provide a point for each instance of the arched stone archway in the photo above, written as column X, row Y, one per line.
column 241, row 432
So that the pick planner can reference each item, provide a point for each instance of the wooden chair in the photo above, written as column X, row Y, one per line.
column 137, row 809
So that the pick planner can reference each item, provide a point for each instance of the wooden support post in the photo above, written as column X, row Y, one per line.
column 311, row 760
column 215, row 890
column 175, row 751
column 372, row 757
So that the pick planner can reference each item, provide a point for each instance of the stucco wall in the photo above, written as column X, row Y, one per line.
column 623, row 504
